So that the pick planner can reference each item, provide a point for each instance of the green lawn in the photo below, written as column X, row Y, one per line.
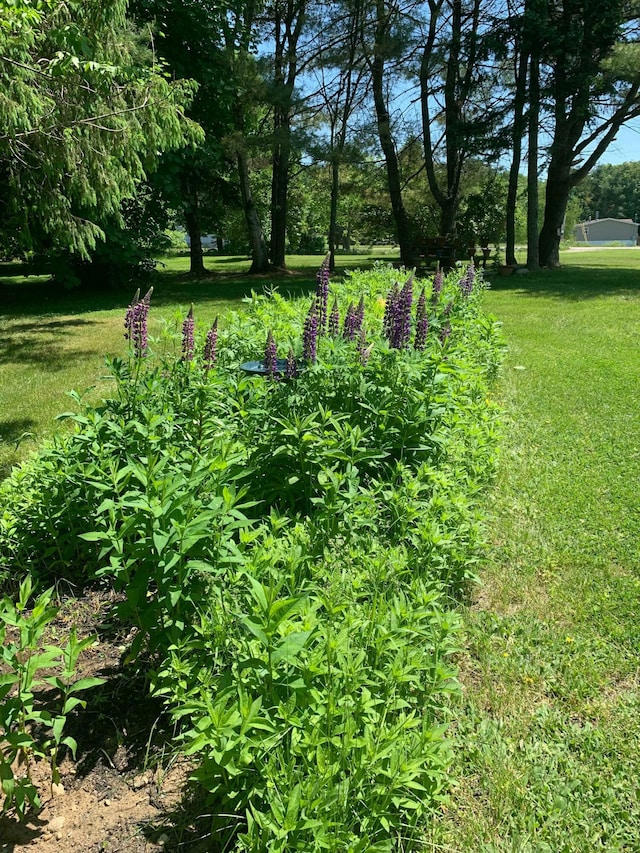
column 548, row 732
column 548, row 756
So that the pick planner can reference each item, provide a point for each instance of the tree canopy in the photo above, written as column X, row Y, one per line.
column 229, row 99
column 85, row 111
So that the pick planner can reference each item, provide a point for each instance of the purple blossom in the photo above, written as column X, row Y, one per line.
column 448, row 308
column 135, row 323
column 422, row 322
column 349, row 326
column 188, row 345
column 401, row 330
column 322, row 294
column 310, row 334
column 271, row 357
column 390, row 311
column 334, row 320
column 445, row 331
column 466, row 282
column 291, row 368
column 211, row 346
column 438, row 280
column 128, row 317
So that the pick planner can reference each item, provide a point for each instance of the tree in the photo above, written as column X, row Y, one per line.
column 457, row 97
column 593, row 84
column 84, row 114
column 522, row 46
column 385, row 47
column 342, row 90
column 287, row 19
column 248, row 88
column 610, row 191
column 191, row 40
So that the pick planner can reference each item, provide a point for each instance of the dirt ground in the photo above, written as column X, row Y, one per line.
column 125, row 791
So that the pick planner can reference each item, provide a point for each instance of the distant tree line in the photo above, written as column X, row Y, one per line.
column 281, row 123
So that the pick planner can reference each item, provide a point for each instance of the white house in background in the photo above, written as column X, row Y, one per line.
column 599, row 232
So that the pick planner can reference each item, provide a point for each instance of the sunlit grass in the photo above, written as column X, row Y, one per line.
column 547, row 739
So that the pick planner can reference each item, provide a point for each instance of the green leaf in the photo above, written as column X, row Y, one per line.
column 291, row 646
column 293, row 809
column 254, row 627
column 57, row 727
column 94, row 536
column 71, row 743
column 258, row 591
column 85, row 684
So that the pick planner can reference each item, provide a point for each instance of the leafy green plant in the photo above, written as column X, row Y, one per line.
column 289, row 547
column 28, row 730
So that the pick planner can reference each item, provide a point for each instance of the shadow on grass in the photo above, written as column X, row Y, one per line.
column 46, row 354
column 38, row 298
column 171, row 288
column 573, row 282
column 56, row 327
column 15, row 430
column 38, row 342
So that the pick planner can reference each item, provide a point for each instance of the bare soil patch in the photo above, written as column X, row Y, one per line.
column 125, row 791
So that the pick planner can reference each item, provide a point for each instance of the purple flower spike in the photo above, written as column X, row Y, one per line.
column 445, row 331
column 271, row 357
column 136, row 323
column 349, row 325
column 364, row 351
column 466, row 283
column 401, row 329
column 389, row 312
column 322, row 294
column 291, row 368
column 448, row 308
column 211, row 346
column 334, row 320
column 128, row 318
column 422, row 322
column 310, row 334
column 360, row 314
column 438, row 280
column 187, row 336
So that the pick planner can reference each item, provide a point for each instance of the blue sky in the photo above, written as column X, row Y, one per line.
column 626, row 146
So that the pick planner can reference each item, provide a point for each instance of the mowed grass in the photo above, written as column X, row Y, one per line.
column 547, row 735
column 549, row 732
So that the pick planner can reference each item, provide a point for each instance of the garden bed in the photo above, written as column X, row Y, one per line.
column 289, row 548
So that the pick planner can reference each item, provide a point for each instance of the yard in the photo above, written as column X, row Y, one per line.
column 545, row 731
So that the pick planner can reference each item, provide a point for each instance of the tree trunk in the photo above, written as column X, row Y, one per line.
column 448, row 216
column 279, row 187
column 533, row 255
column 259, row 255
column 333, row 213
column 289, row 18
column 400, row 218
column 556, row 198
column 455, row 72
column 514, row 171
